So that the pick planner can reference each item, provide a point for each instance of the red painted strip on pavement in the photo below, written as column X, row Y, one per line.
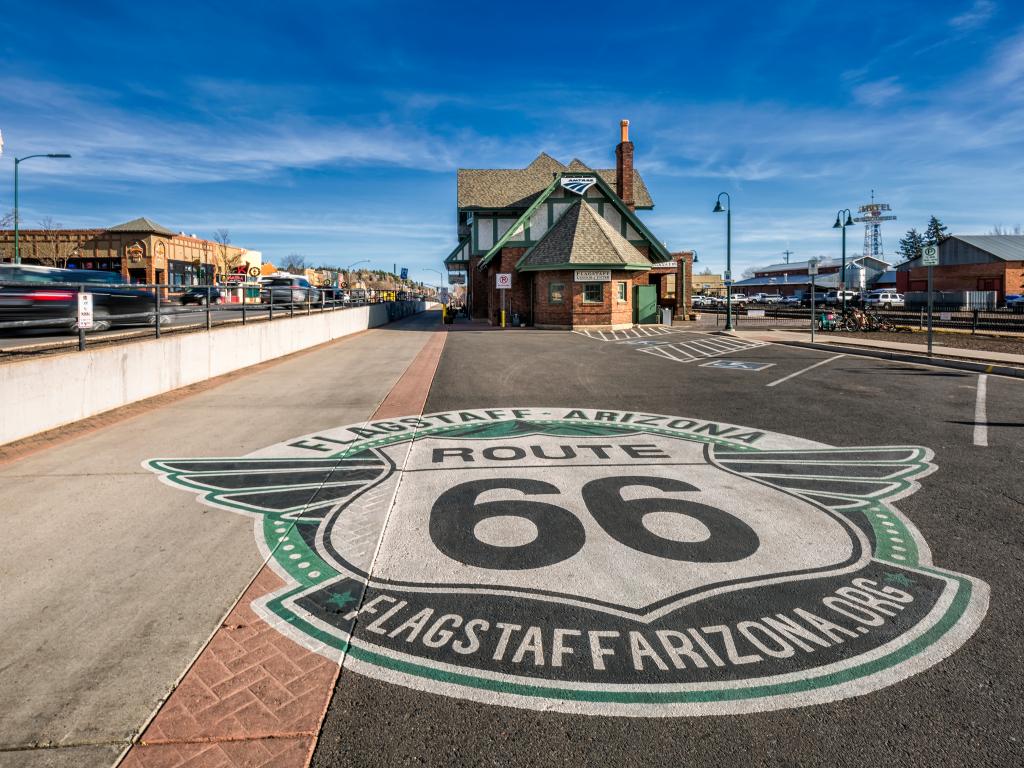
column 253, row 697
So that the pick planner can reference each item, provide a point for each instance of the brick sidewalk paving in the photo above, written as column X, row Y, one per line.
column 253, row 697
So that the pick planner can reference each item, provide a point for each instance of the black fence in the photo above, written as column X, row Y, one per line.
column 33, row 313
column 975, row 321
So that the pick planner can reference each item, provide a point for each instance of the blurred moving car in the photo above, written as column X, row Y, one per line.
column 198, row 295
column 290, row 289
column 51, row 295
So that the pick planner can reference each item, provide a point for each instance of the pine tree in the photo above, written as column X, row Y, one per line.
column 911, row 244
column 936, row 232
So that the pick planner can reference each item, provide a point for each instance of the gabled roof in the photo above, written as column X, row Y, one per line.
column 822, row 262
column 495, row 188
column 142, row 224
column 1003, row 247
column 582, row 238
column 658, row 248
column 454, row 255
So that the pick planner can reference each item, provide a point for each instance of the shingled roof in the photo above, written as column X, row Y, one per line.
column 490, row 188
column 142, row 224
column 583, row 237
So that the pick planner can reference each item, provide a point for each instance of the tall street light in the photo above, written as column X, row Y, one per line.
column 18, row 161
column 840, row 224
column 728, row 254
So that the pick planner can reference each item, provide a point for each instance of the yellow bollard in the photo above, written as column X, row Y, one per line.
column 503, row 318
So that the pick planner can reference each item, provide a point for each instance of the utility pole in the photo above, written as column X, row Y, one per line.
column 788, row 254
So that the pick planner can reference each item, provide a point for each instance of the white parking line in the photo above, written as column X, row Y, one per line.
column 980, row 416
column 805, row 370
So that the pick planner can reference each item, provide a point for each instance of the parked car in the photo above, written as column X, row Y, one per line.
column 288, row 290
column 198, row 295
column 793, row 301
column 1015, row 302
column 739, row 298
column 885, row 300
column 836, row 297
column 47, row 299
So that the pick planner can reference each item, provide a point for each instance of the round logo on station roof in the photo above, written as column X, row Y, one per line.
column 597, row 562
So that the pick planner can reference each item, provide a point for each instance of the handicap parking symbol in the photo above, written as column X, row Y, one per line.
column 737, row 365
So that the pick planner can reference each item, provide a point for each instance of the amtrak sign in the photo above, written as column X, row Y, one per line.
column 597, row 562
column 578, row 184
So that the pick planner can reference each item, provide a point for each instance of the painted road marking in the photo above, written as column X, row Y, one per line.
column 804, row 370
column 676, row 345
column 980, row 415
column 568, row 559
column 737, row 365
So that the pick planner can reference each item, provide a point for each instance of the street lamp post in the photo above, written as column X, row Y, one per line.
column 840, row 224
column 436, row 272
column 17, row 162
column 728, row 254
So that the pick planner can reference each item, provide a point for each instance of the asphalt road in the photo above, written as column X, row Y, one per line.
column 959, row 707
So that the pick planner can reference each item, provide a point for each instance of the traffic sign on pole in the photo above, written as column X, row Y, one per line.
column 504, row 281
column 930, row 256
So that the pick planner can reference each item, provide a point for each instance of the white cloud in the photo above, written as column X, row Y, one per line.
column 975, row 16
column 877, row 93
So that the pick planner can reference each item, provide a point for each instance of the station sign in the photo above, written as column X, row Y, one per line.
column 592, row 276
column 85, row 313
column 578, row 184
column 456, row 279
column 930, row 256
column 504, row 281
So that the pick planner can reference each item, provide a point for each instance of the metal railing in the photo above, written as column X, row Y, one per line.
column 951, row 317
column 124, row 311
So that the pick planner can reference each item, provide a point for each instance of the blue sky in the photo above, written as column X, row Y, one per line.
column 334, row 129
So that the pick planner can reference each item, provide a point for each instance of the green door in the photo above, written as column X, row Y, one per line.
column 645, row 304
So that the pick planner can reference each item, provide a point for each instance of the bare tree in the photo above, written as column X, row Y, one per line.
column 228, row 258
column 295, row 263
column 53, row 251
column 999, row 229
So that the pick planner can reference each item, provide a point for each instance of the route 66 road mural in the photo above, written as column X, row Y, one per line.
column 599, row 562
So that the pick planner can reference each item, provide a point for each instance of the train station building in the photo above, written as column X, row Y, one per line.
column 561, row 246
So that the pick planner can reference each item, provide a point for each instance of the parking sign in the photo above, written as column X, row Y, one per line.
column 930, row 256
column 85, row 311
column 504, row 281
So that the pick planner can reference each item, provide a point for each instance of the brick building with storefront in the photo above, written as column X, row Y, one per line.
column 570, row 240
column 140, row 250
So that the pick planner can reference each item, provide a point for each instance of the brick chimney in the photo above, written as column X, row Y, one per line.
column 624, row 167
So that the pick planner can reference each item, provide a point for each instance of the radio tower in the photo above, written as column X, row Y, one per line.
column 871, row 216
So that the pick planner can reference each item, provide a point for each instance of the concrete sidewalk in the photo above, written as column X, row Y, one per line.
column 839, row 341
column 112, row 582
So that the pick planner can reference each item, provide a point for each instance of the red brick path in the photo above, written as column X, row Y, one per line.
column 253, row 697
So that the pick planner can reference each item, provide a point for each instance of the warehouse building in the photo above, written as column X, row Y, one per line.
column 970, row 263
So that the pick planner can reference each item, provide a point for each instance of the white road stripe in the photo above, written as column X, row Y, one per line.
column 805, row 370
column 980, row 416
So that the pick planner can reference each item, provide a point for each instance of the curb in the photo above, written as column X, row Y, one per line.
column 905, row 357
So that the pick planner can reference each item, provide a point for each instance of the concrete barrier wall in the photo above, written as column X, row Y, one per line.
column 47, row 392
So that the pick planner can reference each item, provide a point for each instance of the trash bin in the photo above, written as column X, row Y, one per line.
column 666, row 316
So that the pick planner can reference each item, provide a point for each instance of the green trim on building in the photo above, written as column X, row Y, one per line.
column 523, row 220
column 628, row 217
column 617, row 267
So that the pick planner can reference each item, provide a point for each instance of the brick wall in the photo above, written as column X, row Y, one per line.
column 517, row 298
column 964, row 277
column 478, row 280
column 552, row 314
